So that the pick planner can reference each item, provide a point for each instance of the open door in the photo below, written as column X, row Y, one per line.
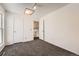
column 41, row 29
column 36, row 30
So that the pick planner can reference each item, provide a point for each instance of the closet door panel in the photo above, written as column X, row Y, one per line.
column 28, row 29
column 18, row 29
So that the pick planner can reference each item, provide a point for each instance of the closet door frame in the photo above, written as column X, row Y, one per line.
column 1, row 28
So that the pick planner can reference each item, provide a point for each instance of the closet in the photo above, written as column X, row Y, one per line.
column 19, row 28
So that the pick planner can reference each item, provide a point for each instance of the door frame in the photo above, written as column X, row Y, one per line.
column 2, row 35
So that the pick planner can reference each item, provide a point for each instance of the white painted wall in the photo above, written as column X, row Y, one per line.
column 19, row 28
column 2, row 12
column 62, row 27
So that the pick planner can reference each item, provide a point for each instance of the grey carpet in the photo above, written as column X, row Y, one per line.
column 35, row 48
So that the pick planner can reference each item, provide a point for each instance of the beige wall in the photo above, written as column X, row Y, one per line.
column 62, row 27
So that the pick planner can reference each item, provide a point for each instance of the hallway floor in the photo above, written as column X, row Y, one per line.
column 35, row 48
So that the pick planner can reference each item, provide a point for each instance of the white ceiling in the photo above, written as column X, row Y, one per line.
column 42, row 8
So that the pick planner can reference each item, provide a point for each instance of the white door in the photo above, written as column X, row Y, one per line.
column 18, row 29
column 28, row 31
column 22, row 29
column 41, row 29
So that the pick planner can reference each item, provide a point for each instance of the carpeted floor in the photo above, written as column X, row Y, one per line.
column 35, row 48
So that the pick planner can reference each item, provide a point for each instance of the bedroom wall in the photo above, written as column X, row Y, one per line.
column 19, row 28
column 62, row 27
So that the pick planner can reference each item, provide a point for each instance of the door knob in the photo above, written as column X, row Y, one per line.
column 14, row 31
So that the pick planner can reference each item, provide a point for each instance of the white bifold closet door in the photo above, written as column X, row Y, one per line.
column 22, row 29
column 18, row 29
column 28, row 28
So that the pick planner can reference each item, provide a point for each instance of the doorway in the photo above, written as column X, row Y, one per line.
column 35, row 30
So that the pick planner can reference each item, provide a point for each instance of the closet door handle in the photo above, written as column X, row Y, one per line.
column 0, row 28
column 14, row 31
